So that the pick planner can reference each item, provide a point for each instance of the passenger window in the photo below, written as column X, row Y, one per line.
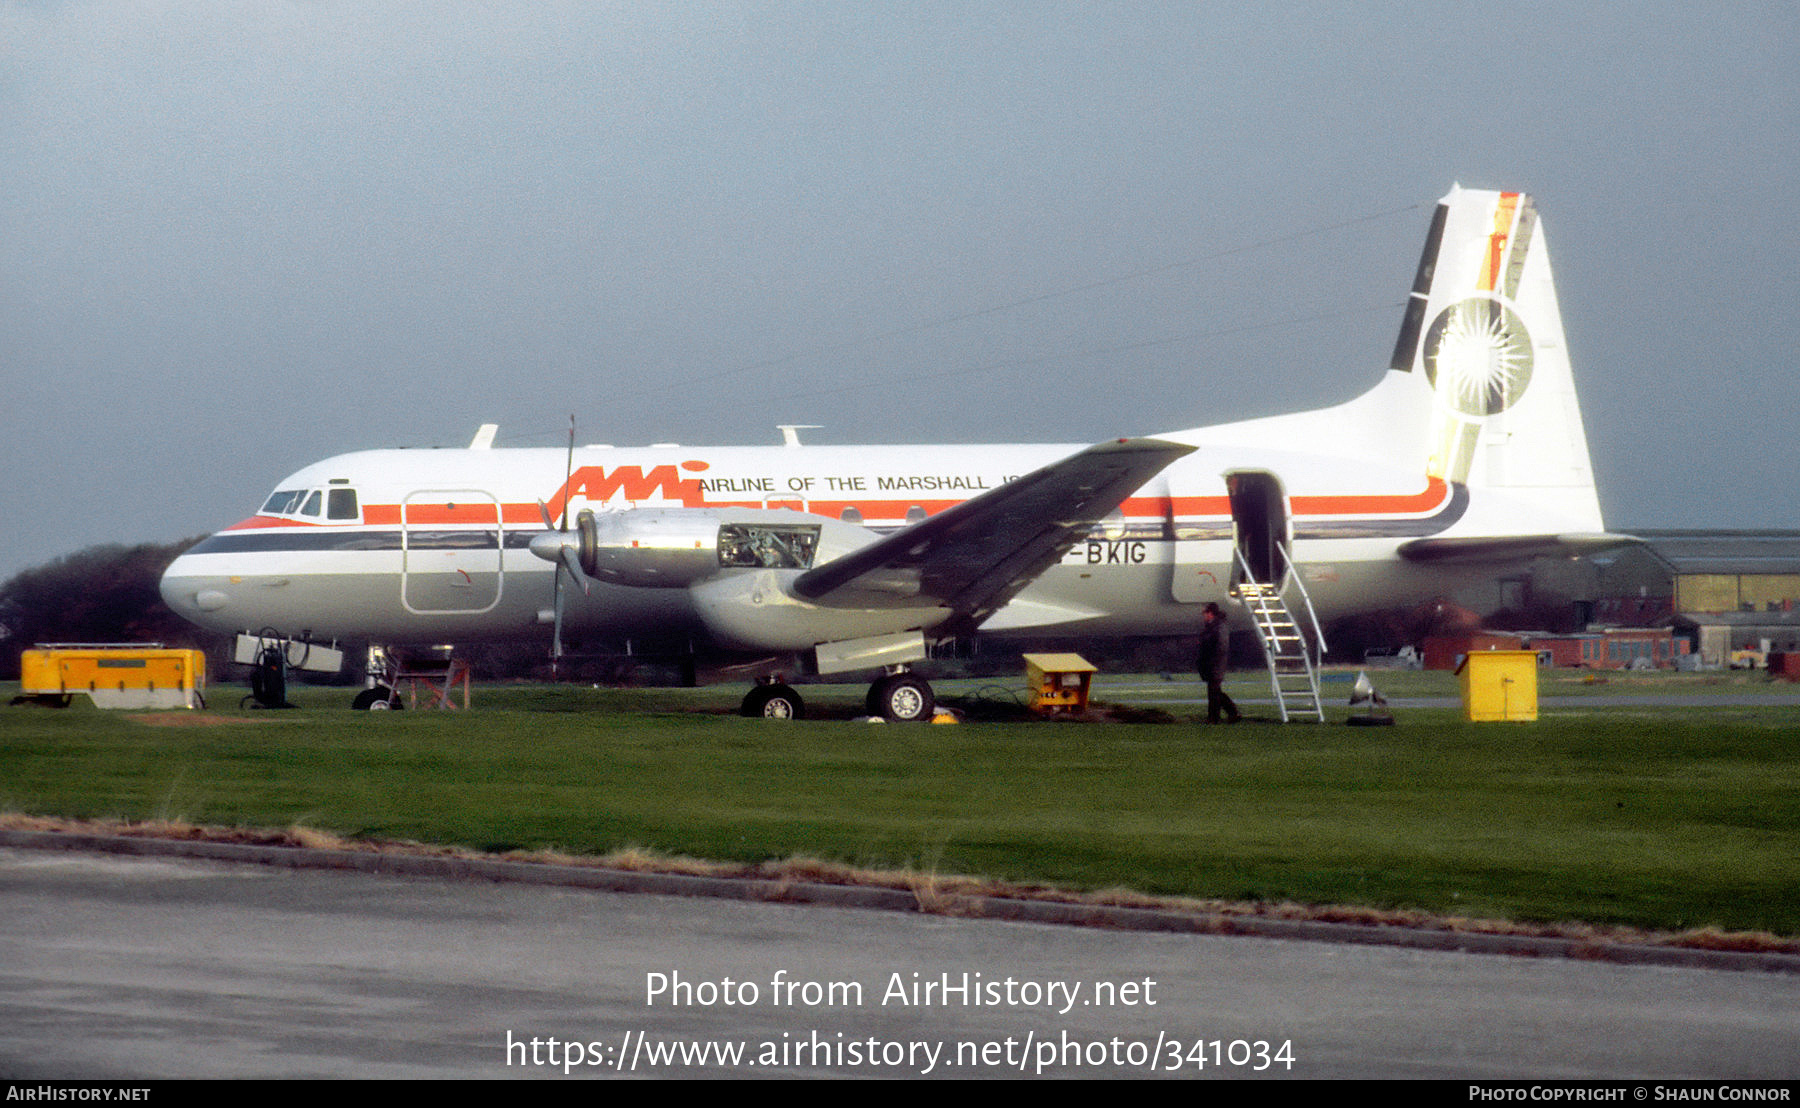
column 341, row 504
column 311, row 507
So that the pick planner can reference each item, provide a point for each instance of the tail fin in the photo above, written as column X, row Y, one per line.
column 1483, row 329
column 1479, row 391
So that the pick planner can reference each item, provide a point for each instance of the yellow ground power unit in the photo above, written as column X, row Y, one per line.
column 1499, row 685
column 1059, row 682
column 114, row 675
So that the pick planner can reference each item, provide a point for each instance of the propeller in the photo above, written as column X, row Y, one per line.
column 569, row 551
column 572, row 551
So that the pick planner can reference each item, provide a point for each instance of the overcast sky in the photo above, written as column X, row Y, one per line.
column 238, row 237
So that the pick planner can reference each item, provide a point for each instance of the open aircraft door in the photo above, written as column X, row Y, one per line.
column 452, row 549
column 1261, row 526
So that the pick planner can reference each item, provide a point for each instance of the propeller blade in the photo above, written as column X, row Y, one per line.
column 572, row 562
column 556, row 646
column 568, row 471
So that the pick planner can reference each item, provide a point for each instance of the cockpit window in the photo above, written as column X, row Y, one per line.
column 337, row 504
column 282, row 502
column 750, row 544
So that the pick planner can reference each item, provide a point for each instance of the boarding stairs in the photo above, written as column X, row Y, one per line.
column 1292, row 657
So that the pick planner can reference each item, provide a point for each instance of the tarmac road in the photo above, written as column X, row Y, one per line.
column 119, row 967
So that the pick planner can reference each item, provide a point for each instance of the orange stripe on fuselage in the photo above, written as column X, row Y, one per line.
column 1436, row 492
column 514, row 516
column 1431, row 498
column 477, row 514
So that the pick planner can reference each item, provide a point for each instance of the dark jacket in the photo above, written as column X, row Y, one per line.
column 1213, row 652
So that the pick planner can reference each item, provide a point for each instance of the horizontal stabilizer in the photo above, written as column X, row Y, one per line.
column 1477, row 549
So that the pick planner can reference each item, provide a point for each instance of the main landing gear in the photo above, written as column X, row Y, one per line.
column 899, row 697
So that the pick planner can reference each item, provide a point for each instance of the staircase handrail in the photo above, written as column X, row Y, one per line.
column 1312, row 617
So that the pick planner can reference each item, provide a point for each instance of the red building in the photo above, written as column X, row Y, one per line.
column 1603, row 648
column 1446, row 651
column 1613, row 648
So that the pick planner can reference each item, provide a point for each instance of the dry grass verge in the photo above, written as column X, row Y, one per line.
column 939, row 894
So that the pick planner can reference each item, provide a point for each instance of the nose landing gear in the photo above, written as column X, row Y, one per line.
column 773, row 701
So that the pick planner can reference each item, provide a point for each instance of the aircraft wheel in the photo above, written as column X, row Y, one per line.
column 902, row 698
column 773, row 702
column 378, row 699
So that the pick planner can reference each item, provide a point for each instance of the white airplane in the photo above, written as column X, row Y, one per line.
column 1468, row 454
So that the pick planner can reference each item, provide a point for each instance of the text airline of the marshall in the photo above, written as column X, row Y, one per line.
column 1467, row 454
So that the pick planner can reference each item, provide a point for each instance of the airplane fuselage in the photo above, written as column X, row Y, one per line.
column 435, row 548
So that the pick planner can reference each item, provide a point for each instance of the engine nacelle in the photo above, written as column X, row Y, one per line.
column 675, row 547
column 653, row 548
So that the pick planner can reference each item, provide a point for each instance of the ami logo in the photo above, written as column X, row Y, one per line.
column 600, row 485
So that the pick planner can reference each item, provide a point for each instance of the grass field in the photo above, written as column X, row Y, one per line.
column 1659, row 817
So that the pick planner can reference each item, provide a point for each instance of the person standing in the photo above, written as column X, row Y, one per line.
column 1213, row 653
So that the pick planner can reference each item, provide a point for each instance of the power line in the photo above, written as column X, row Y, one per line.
column 962, row 317
column 1090, row 352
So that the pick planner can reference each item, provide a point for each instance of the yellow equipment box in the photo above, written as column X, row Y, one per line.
column 1499, row 685
column 115, row 676
column 1059, row 682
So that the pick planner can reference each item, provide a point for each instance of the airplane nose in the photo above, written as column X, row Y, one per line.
column 175, row 590
column 187, row 593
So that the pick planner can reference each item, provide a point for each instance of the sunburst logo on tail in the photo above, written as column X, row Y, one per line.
column 1478, row 356
column 1477, row 353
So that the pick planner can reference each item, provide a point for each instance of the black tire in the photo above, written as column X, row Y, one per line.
column 902, row 698
column 44, row 700
column 376, row 699
column 773, row 702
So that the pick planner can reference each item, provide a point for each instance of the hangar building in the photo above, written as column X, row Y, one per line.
column 1724, row 593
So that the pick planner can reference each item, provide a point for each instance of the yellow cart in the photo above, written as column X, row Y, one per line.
column 1059, row 682
column 115, row 675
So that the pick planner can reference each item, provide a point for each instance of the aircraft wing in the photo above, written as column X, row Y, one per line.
column 977, row 555
column 1476, row 549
